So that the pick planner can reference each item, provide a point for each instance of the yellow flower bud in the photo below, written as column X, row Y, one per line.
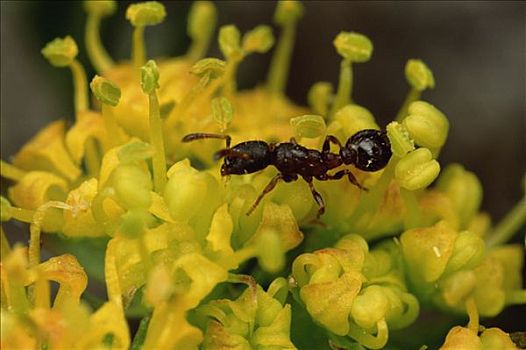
column 464, row 189
column 427, row 251
column 426, row 125
column 222, row 111
column 461, row 338
column 496, row 339
column 310, row 126
column 369, row 307
column 417, row 169
column 351, row 119
column 132, row 186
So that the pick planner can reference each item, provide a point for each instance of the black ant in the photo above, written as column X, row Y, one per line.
column 367, row 150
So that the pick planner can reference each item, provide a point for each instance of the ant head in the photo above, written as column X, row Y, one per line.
column 367, row 150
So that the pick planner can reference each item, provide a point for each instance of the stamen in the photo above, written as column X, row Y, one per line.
column 97, row 54
column 150, row 84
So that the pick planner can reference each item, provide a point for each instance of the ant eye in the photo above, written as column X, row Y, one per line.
column 371, row 148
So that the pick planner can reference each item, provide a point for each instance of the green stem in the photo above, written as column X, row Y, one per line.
column 139, row 52
column 21, row 214
column 145, row 255
column 5, row 246
column 229, row 78
column 140, row 336
column 343, row 96
column 199, row 47
column 411, row 97
column 413, row 215
column 508, row 226
column 156, row 139
column 11, row 172
column 112, row 128
column 516, row 297
column 81, row 87
column 96, row 52
column 92, row 158
column 279, row 68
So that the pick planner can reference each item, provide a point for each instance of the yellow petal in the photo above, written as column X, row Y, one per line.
column 65, row 270
column 79, row 221
column 46, row 151
column 37, row 188
column 89, row 125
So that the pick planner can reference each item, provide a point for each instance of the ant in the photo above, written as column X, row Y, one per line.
column 367, row 150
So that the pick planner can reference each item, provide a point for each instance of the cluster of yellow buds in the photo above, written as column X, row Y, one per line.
column 177, row 240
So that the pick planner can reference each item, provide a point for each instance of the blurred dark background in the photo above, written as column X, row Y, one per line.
column 476, row 50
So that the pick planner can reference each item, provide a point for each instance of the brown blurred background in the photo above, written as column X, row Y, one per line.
column 476, row 50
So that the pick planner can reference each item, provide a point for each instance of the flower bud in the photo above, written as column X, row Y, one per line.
column 105, row 90
column 426, row 125
column 464, row 189
column 419, row 75
column 134, row 222
column 132, row 186
column 353, row 118
column 149, row 77
column 310, row 126
column 229, row 41
column 426, row 251
column 270, row 251
column 369, row 307
column 134, row 152
column 468, row 252
column 353, row 46
column 417, row 169
column 146, row 13
column 494, row 338
column 259, row 39
column 461, row 338
column 401, row 142
column 61, row 52
column 288, row 11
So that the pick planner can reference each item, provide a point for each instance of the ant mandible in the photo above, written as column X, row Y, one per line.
column 367, row 150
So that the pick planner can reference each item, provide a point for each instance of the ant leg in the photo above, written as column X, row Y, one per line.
column 350, row 176
column 327, row 143
column 267, row 189
column 317, row 197
column 203, row 135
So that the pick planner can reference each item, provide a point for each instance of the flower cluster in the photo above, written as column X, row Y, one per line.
column 178, row 242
